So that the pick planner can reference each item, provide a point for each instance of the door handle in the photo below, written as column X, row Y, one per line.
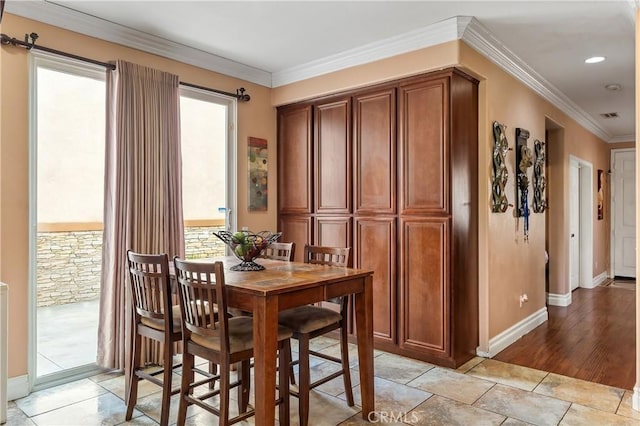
column 573, row 235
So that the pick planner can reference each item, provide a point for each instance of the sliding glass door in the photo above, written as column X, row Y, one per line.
column 67, row 148
column 208, row 169
column 67, row 180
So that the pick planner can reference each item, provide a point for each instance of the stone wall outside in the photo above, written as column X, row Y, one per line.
column 69, row 262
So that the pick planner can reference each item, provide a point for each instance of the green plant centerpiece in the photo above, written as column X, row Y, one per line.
column 247, row 246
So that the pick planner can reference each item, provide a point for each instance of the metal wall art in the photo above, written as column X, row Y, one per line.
column 524, row 160
column 539, row 180
column 600, row 194
column 500, row 172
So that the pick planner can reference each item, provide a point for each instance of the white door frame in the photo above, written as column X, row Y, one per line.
column 611, row 212
column 587, row 210
column 231, row 153
column 51, row 61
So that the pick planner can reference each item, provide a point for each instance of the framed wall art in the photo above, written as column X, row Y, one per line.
column 258, row 174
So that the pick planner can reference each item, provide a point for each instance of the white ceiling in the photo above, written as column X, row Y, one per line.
column 544, row 43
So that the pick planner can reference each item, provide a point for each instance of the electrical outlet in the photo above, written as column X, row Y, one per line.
column 523, row 299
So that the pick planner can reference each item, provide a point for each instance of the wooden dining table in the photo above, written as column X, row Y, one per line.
column 283, row 285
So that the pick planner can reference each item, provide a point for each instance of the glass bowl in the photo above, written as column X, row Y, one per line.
column 247, row 246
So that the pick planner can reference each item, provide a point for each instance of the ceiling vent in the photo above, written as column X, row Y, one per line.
column 609, row 115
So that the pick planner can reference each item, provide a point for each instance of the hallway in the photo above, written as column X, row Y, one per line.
column 592, row 339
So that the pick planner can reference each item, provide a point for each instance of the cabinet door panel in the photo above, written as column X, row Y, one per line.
column 333, row 157
column 423, row 112
column 294, row 160
column 375, row 249
column 333, row 231
column 296, row 229
column 375, row 152
column 424, row 278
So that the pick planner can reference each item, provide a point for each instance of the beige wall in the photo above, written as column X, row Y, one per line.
column 622, row 145
column 509, row 266
column 255, row 118
column 514, row 265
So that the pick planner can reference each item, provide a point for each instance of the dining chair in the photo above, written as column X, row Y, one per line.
column 154, row 317
column 223, row 340
column 280, row 251
column 309, row 321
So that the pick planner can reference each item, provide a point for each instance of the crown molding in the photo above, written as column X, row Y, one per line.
column 431, row 35
column 622, row 138
column 481, row 39
column 60, row 16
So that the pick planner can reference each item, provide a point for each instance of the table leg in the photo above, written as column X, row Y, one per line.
column 364, row 332
column 265, row 347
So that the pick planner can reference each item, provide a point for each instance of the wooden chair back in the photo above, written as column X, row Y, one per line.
column 280, row 251
column 332, row 256
column 150, row 287
column 201, row 289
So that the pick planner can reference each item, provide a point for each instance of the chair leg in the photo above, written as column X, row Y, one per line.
column 213, row 370
column 346, row 373
column 224, row 393
column 284, row 360
column 132, row 378
column 305, row 379
column 187, row 379
column 166, row 383
column 244, row 374
column 292, row 376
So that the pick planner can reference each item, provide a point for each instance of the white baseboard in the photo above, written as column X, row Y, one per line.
column 599, row 279
column 510, row 335
column 17, row 387
column 554, row 299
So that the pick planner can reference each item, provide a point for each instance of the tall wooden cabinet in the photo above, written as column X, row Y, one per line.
column 391, row 171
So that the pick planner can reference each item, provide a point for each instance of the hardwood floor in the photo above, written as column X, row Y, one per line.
column 592, row 339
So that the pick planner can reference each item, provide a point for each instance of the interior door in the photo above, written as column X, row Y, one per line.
column 624, row 213
column 574, row 225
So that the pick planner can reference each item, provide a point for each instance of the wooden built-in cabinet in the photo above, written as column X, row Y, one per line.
column 391, row 171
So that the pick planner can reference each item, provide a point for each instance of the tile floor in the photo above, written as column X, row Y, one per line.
column 482, row 392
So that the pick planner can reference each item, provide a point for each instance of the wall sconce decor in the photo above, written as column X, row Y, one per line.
column 539, row 180
column 524, row 160
column 500, row 172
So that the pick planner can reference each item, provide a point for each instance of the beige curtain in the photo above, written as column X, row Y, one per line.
column 143, row 193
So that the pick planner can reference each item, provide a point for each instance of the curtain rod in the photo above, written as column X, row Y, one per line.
column 5, row 40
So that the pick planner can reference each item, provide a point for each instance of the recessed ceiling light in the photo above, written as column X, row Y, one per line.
column 594, row 59
column 614, row 87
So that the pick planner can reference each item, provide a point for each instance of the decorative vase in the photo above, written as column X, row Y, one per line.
column 247, row 246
